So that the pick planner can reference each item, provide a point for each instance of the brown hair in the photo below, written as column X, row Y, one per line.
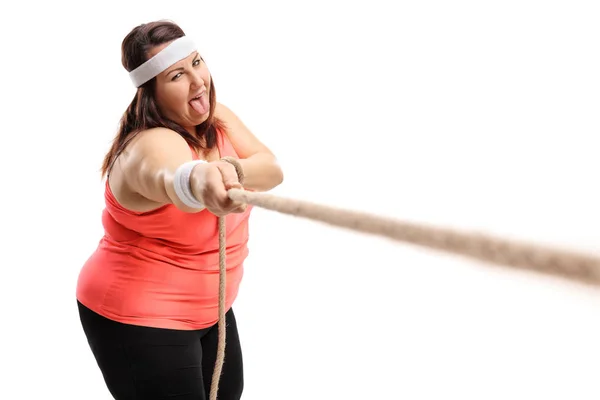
column 143, row 113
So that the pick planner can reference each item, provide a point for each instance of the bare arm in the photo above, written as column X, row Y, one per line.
column 150, row 162
column 261, row 169
column 149, row 165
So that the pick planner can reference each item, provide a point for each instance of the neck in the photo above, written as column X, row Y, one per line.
column 191, row 130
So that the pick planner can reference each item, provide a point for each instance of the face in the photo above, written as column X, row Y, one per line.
column 182, row 90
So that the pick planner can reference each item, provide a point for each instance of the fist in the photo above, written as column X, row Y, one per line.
column 210, row 183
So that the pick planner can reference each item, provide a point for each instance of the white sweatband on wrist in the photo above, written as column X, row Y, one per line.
column 181, row 182
column 177, row 50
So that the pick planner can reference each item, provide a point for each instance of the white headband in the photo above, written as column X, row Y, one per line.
column 175, row 51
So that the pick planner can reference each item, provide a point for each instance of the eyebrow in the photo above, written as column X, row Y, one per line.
column 181, row 68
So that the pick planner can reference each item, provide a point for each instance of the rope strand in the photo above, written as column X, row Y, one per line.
column 560, row 263
column 214, row 387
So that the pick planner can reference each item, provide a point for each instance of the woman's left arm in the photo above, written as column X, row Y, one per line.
column 261, row 169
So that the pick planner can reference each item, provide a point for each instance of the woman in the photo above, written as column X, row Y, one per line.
column 148, row 296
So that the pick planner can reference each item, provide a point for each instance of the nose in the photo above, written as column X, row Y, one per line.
column 196, row 79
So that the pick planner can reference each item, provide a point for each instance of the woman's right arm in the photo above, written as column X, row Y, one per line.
column 151, row 160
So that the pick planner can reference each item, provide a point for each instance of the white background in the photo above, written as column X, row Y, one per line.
column 470, row 114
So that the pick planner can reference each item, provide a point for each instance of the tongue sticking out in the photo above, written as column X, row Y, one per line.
column 200, row 105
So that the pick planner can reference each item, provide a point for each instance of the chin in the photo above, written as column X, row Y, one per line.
column 201, row 119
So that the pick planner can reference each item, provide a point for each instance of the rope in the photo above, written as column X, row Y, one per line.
column 562, row 263
column 574, row 266
column 214, row 387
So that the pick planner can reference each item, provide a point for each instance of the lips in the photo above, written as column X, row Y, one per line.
column 196, row 97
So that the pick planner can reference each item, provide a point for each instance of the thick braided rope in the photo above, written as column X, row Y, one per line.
column 561, row 263
column 214, row 387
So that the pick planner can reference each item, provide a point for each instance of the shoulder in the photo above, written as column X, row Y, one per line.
column 155, row 143
column 244, row 141
column 230, row 122
column 223, row 112
column 160, row 134
column 158, row 138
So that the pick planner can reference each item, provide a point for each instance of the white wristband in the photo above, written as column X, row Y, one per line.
column 181, row 181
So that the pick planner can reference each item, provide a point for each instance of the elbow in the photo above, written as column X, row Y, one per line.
column 277, row 176
column 270, row 178
column 262, row 172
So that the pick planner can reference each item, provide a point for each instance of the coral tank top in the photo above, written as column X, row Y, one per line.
column 161, row 268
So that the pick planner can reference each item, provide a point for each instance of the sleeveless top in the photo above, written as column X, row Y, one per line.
column 161, row 268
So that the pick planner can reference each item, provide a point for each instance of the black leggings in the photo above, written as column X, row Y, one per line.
column 150, row 363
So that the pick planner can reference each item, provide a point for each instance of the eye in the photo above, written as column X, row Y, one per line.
column 176, row 76
column 197, row 62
